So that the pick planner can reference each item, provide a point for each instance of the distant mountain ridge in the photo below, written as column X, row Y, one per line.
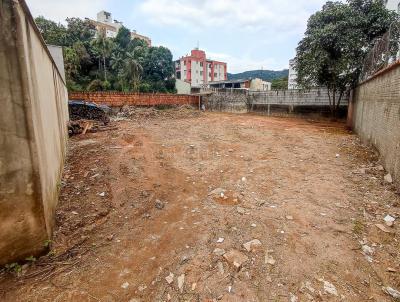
column 266, row 75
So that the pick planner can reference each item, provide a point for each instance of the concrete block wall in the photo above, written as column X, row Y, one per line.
column 119, row 99
column 375, row 115
column 33, row 135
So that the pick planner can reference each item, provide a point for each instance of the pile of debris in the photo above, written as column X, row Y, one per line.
column 79, row 110
column 87, row 117
column 146, row 113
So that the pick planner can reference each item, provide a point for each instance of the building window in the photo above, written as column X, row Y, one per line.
column 178, row 75
column 201, row 64
column 184, row 63
column 201, row 73
column 215, row 74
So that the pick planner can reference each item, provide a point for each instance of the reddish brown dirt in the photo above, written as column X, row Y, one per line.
column 284, row 185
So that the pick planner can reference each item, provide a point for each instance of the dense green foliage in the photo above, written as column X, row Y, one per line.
column 336, row 42
column 94, row 62
column 266, row 75
column 280, row 84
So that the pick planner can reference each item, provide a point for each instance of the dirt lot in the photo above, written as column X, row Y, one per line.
column 161, row 208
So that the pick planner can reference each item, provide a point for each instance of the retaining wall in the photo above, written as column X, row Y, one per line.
column 374, row 114
column 119, row 99
column 33, row 135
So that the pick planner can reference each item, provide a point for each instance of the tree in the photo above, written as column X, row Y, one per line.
column 278, row 84
column 103, row 48
column 336, row 42
column 123, row 38
column 79, row 30
column 132, row 71
column 52, row 33
column 158, row 68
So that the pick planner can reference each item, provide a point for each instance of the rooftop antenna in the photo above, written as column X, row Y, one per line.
column 198, row 45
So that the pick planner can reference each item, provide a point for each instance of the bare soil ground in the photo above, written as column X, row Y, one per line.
column 160, row 209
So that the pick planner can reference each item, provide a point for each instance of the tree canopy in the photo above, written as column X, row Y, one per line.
column 96, row 62
column 335, row 44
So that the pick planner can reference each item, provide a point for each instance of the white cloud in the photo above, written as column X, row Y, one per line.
column 279, row 16
column 59, row 10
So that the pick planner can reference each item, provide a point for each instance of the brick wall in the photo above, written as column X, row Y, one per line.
column 376, row 115
column 118, row 99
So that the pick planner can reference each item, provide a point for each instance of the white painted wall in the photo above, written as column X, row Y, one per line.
column 292, row 79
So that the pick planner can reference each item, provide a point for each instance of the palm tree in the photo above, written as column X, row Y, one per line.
column 104, row 47
column 132, row 70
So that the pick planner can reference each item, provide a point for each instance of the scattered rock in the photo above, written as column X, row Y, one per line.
column 391, row 270
column 217, row 191
column 330, row 288
column 219, row 252
column 220, row 267
column 159, row 204
column 125, row 285
column 389, row 220
column 388, row 178
column 102, row 194
column 269, row 259
column 181, row 282
column 194, row 286
column 253, row 225
column 288, row 217
column 383, row 228
column 170, row 278
column 367, row 250
column 252, row 245
column 142, row 288
column 241, row 210
column 243, row 179
column 220, row 240
column 337, row 155
column 293, row 298
column 235, row 258
column 392, row 292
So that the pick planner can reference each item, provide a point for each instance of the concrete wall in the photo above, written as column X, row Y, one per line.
column 58, row 58
column 119, row 99
column 33, row 135
column 375, row 113
column 182, row 87
column 297, row 101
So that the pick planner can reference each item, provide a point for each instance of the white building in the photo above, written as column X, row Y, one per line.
column 292, row 78
column 392, row 5
column 110, row 27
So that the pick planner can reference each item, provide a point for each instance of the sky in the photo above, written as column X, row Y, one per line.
column 247, row 34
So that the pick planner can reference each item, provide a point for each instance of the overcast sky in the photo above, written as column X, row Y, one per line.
column 247, row 34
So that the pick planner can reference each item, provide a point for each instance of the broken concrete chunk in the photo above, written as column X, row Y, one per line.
column 252, row 245
column 125, row 285
column 388, row 178
column 389, row 220
column 392, row 292
column 219, row 252
column 269, row 259
column 330, row 288
column 181, row 281
column 217, row 191
column 235, row 258
column 170, row 278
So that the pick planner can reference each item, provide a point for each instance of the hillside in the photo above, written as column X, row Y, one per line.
column 266, row 75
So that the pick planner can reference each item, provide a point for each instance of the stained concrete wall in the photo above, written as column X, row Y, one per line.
column 33, row 134
column 375, row 115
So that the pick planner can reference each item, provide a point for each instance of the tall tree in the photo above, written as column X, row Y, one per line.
column 336, row 42
column 103, row 47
